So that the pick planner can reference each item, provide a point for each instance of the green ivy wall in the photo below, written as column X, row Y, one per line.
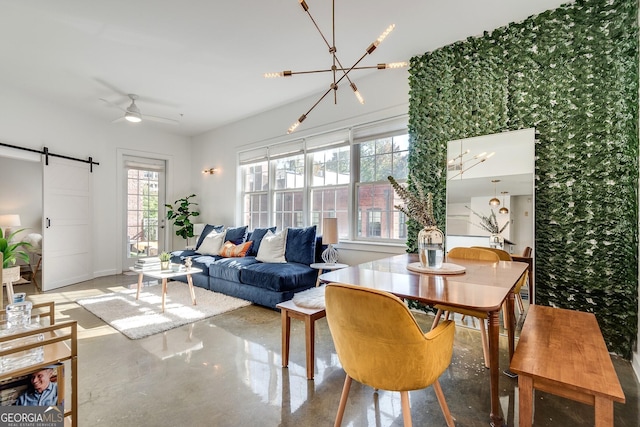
column 572, row 73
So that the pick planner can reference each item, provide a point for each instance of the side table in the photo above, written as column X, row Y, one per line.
column 288, row 310
column 322, row 267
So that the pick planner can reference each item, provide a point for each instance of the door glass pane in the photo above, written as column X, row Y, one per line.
column 143, row 201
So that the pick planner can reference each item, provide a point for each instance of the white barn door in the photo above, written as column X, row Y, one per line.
column 66, row 245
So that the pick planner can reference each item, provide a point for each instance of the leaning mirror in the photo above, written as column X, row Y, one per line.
column 490, row 197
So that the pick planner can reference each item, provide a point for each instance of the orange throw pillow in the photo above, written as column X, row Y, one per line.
column 229, row 250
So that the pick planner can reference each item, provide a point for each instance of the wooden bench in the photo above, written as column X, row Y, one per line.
column 562, row 352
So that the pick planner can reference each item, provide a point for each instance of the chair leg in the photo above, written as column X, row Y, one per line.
column 443, row 404
column 437, row 319
column 520, row 304
column 406, row 408
column 504, row 316
column 343, row 401
column 485, row 342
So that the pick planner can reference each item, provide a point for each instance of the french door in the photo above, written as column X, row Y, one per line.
column 143, row 216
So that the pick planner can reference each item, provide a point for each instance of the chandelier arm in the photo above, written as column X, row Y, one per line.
column 340, row 68
column 315, row 24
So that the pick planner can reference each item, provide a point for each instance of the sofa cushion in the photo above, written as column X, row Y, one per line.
column 301, row 245
column 256, row 237
column 203, row 262
column 229, row 250
column 272, row 247
column 212, row 244
column 229, row 268
column 237, row 235
column 206, row 230
column 278, row 277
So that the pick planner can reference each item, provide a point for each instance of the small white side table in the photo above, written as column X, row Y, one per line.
column 323, row 266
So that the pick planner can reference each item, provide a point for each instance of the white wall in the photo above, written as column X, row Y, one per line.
column 34, row 123
column 386, row 95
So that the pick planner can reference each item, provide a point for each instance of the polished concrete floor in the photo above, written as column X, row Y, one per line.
column 226, row 371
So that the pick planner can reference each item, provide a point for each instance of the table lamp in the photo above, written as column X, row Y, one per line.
column 329, row 237
column 8, row 221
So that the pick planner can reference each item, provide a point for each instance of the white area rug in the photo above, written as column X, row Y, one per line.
column 144, row 317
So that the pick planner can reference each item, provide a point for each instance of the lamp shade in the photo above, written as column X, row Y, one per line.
column 329, row 231
column 10, row 220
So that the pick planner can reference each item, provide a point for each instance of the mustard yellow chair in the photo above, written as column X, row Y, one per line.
column 481, row 254
column 506, row 256
column 379, row 344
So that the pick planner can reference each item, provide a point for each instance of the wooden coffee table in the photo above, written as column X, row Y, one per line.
column 164, row 275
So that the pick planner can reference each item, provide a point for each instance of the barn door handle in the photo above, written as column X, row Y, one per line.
column 48, row 222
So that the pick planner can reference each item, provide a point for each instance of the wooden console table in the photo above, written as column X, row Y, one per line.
column 60, row 344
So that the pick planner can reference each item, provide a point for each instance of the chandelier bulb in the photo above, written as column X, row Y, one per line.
column 286, row 73
column 357, row 93
column 385, row 34
column 296, row 124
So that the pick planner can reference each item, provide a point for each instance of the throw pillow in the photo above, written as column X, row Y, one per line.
column 205, row 232
column 272, row 247
column 256, row 236
column 301, row 245
column 212, row 244
column 230, row 250
column 237, row 235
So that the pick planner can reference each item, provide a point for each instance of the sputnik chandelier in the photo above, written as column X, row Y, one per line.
column 338, row 71
column 462, row 165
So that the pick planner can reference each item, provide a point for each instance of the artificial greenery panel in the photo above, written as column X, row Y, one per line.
column 572, row 73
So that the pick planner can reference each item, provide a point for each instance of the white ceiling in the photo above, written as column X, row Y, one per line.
column 201, row 61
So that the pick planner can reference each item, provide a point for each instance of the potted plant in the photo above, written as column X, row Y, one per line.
column 11, row 253
column 165, row 259
column 180, row 214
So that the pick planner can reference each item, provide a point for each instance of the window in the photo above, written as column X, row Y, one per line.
column 255, row 185
column 329, row 187
column 289, row 191
column 298, row 183
column 379, row 158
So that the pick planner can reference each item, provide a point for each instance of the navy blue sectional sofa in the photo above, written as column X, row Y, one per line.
column 262, row 283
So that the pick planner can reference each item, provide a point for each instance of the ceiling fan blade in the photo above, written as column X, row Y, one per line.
column 118, row 120
column 111, row 104
column 160, row 119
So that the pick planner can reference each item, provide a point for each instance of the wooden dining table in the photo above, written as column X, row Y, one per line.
column 484, row 286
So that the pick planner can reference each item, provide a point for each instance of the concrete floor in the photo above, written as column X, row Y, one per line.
column 226, row 371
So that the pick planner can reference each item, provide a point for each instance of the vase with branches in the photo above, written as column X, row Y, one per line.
column 419, row 207
column 489, row 223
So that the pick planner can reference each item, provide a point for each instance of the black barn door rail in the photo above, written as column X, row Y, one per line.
column 46, row 153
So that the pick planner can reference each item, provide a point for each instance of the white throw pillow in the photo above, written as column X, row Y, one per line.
column 272, row 247
column 212, row 244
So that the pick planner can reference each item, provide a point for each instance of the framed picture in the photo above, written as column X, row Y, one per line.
column 42, row 387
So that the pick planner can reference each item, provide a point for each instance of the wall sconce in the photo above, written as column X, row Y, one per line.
column 210, row 171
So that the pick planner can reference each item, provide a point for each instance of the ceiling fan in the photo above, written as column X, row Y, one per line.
column 132, row 113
